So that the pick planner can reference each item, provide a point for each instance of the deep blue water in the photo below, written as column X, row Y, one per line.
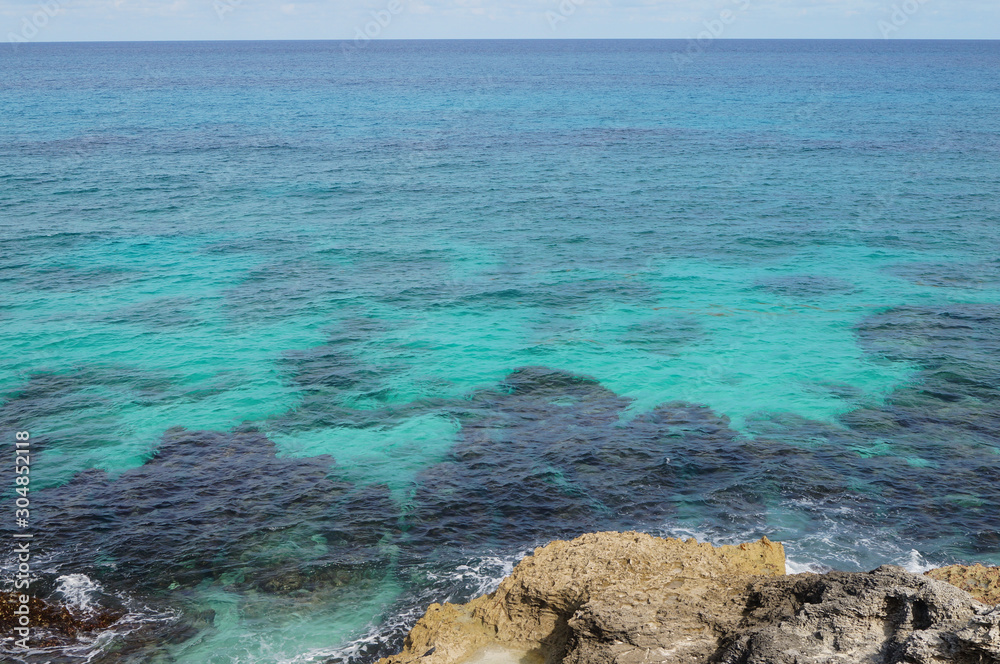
column 307, row 336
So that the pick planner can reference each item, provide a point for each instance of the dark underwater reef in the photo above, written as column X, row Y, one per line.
column 544, row 455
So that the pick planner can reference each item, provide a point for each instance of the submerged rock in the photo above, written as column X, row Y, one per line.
column 555, row 454
column 632, row 598
column 102, row 629
column 217, row 506
column 51, row 622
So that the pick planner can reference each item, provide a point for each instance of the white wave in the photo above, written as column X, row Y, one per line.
column 837, row 539
column 796, row 567
column 479, row 576
column 916, row 563
column 77, row 590
column 352, row 650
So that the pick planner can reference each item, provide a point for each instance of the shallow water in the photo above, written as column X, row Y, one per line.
column 307, row 340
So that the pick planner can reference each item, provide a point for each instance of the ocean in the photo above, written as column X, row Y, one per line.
column 308, row 335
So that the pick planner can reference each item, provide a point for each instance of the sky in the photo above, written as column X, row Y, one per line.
column 140, row 20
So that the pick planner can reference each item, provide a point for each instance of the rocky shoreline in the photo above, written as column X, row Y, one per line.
column 633, row 598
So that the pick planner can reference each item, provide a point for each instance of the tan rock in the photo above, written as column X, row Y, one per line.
column 980, row 581
column 628, row 598
column 685, row 587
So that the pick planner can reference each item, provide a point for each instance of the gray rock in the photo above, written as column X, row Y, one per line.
column 887, row 616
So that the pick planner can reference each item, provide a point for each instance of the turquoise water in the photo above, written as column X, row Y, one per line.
column 306, row 340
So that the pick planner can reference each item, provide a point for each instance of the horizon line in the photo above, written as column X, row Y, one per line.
column 494, row 39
